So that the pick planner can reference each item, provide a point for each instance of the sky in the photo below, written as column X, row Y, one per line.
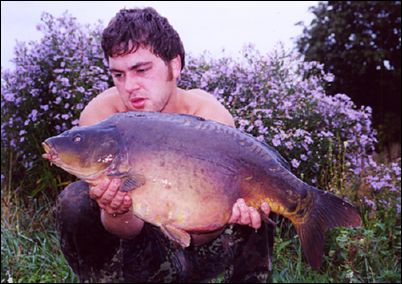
column 203, row 26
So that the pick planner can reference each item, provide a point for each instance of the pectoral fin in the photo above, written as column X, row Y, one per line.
column 132, row 181
column 178, row 235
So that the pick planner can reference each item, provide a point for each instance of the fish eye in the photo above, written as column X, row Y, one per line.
column 77, row 138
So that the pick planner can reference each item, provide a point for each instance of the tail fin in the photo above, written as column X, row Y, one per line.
column 328, row 212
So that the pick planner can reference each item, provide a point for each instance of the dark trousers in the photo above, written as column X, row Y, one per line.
column 239, row 254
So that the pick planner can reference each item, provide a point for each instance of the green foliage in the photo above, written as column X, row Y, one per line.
column 360, row 43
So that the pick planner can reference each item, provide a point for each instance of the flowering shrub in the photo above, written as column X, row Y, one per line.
column 53, row 81
column 381, row 187
column 278, row 98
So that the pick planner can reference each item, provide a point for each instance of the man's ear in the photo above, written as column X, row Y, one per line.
column 176, row 66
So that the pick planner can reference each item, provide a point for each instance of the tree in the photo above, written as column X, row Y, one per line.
column 360, row 43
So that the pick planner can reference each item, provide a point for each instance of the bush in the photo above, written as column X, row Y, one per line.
column 54, row 79
column 280, row 99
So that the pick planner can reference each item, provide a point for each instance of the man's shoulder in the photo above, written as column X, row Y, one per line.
column 201, row 93
column 207, row 106
column 101, row 107
column 108, row 96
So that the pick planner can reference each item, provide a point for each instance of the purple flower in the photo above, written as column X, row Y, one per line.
column 33, row 115
column 80, row 89
column 9, row 97
column 369, row 202
column 276, row 140
column 295, row 163
column 65, row 116
column 289, row 145
column 44, row 107
column 57, row 100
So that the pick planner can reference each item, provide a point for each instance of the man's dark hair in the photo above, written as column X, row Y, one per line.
column 134, row 28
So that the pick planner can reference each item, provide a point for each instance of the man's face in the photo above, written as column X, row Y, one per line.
column 144, row 81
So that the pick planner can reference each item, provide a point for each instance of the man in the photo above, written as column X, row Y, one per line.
column 145, row 57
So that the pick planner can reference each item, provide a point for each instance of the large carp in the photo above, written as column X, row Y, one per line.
column 184, row 174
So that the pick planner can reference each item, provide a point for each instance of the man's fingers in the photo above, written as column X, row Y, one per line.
column 97, row 191
column 126, row 202
column 109, row 210
column 107, row 197
column 244, row 214
column 111, row 191
column 255, row 218
column 235, row 214
column 117, row 200
column 265, row 208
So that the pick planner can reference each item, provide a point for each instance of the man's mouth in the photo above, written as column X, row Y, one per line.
column 138, row 103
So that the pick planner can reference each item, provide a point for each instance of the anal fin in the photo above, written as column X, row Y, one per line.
column 177, row 235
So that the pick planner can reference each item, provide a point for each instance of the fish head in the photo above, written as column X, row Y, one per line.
column 85, row 151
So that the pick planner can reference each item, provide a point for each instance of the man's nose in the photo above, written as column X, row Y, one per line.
column 132, row 84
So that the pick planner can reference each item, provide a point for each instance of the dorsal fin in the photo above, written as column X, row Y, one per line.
column 277, row 155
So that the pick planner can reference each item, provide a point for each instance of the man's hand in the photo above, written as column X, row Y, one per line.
column 245, row 215
column 109, row 198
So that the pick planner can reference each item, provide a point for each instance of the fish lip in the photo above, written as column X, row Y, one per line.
column 51, row 153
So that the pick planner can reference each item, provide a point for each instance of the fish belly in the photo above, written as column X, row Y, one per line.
column 183, row 192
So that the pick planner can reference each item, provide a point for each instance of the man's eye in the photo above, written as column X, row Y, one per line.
column 142, row 70
column 117, row 75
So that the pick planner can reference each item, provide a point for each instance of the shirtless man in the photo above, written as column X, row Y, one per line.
column 121, row 247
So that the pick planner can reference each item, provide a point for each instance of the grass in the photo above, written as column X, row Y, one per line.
column 30, row 251
column 29, row 246
column 361, row 255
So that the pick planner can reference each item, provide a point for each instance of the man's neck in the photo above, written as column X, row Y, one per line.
column 176, row 103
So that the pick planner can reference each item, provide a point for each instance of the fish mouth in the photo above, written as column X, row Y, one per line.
column 51, row 153
column 54, row 158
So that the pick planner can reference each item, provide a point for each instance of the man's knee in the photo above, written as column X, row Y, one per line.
column 74, row 203
column 87, row 246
